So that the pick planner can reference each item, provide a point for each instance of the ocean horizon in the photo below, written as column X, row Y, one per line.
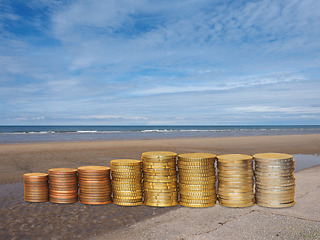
column 71, row 133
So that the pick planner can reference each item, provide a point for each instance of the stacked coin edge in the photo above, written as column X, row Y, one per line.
column 160, row 178
column 127, row 182
column 197, row 179
column 235, row 180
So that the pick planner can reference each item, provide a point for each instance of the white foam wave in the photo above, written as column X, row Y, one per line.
column 94, row 131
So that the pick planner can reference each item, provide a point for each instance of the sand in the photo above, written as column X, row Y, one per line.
column 22, row 220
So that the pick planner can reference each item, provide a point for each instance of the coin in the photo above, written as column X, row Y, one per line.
column 235, row 180
column 195, row 205
column 159, row 178
column 275, row 181
column 94, row 185
column 126, row 182
column 36, row 187
column 63, row 185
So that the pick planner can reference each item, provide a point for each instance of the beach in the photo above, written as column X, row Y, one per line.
column 22, row 220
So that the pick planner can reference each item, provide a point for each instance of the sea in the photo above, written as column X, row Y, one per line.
column 38, row 134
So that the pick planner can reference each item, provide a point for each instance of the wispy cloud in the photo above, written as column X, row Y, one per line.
column 193, row 62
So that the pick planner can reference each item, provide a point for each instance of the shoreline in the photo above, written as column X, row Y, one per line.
column 17, row 159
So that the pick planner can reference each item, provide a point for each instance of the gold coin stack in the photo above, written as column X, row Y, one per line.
column 36, row 187
column 126, row 182
column 160, row 178
column 63, row 185
column 235, row 180
column 275, row 181
column 197, row 179
column 94, row 185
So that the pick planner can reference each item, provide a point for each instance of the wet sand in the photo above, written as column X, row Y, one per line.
column 22, row 220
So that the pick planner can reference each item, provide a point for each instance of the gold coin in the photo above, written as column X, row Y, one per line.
column 159, row 154
column 202, row 163
column 234, row 157
column 160, row 187
column 236, row 181
column 153, row 191
column 195, row 205
column 199, row 201
column 195, row 197
column 160, row 173
column 196, row 156
column 161, row 204
column 125, row 168
column 161, row 201
column 93, row 169
column 133, row 192
column 173, row 180
column 171, row 193
column 237, row 172
column 158, row 164
column 202, row 183
column 187, row 178
column 127, row 174
column 159, row 177
column 127, row 187
column 125, row 162
column 126, row 203
column 195, row 166
column 237, row 205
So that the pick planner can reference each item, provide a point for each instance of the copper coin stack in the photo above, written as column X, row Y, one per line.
column 126, row 182
column 94, row 185
column 63, row 185
column 197, row 179
column 235, row 180
column 160, row 178
column 275, row 181
column 36, row 187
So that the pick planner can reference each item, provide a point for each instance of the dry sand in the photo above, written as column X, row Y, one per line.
column 21, row 220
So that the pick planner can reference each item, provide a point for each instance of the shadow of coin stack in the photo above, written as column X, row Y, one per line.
column 197, row 179
column 235, row 180
column 36, row 187
column 94, row 185
column 63, row 185
column 160, row 178
column 275, row 181
column 126, row 182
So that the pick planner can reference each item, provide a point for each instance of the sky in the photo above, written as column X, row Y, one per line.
column 191, row 62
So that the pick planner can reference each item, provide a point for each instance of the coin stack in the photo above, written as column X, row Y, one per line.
column 36, row 187
column 235, row 180
column 63, row 185
column 275, row 181
column 126, row 182
column 197, row 179
column 94, row 185
column 160, row 178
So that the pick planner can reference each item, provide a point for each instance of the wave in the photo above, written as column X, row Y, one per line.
column 40, row 132
column 94, row 131
column 167, row 130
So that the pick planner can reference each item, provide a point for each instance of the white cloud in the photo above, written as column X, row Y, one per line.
column 112, row 117
column 283, row 110
column 113, row 59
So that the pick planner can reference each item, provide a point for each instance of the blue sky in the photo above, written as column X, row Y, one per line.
column 159, row 62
